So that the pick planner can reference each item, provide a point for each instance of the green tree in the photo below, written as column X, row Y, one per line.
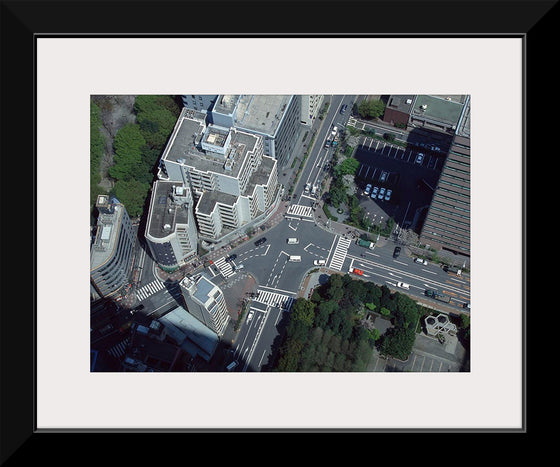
column 348, row 167
column 128, row 146
column 372, row 108
column 132, row 194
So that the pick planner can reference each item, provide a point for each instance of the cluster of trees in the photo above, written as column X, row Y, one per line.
column 372, row 108
column 97, row 149
column 332, row 331
column 137, row 147
column 325, row 333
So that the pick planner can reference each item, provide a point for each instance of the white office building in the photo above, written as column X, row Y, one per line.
column 231, row 180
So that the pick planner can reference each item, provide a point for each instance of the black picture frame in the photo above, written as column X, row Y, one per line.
column 22, row 22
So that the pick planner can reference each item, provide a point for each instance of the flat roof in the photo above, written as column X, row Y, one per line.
column 208, row 200
column 193, row 336
column 108, row 228
column 183, row 147
column 261, row 113
column 163, row 211
column 438, row 109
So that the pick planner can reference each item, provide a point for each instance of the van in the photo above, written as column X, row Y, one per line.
column 295, row 259
column 293, row 241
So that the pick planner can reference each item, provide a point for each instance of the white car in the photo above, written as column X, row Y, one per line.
column 374, row 192
column 368, row 188
column 319, row 262
column 403, row 285
column 421, row 261
column 381, row 193
column 419, row 158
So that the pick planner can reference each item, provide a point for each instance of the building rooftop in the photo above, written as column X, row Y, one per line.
column 446, row 109
column 168, row 207
column 208, row 200
column 261, row 113
column 108, row 226
column 189, row 333
column 191, row 132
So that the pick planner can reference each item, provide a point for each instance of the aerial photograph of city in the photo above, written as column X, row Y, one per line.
column 280, row 233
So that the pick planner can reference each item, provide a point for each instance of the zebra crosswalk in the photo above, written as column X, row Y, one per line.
column 225, row 268
column 274, row 299
column 149, row 289
column 339, row 254
column 299, row 210
column 118, row 350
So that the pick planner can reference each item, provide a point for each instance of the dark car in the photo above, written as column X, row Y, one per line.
column 230, row 258
column 343, row 109
column 397, row 252
column 260, row 241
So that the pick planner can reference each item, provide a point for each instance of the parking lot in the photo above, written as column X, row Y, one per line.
column 410, row 174
column 427, row 356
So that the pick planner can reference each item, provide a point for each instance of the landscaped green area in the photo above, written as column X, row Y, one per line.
column 334, row 331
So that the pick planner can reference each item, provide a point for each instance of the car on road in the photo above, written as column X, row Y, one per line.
column 374, row 192
column 358, row 272
column 368, row 188
column 388, row 195
column 319, row 262
column 396, row 252
column 260, row 241
column 419, row 158
column 343, row 109
column 403, row 285
column 381, row 193
column 421, row 261
column 230, row 258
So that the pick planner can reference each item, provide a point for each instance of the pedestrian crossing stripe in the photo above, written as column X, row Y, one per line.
column 149, row 289
column 224, row 267
column 340, row 252
column 299, row 210
column 119, row 349
column 274, row 299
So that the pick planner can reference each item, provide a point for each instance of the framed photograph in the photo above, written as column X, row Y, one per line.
column 468, row 55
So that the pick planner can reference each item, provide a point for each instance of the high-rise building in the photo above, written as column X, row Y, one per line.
column 112, row 250
column 231, row 180
column 448, row 220
column 170, row 230
column 274, row 117
column 310, row 107
column 203, row 102
column 205, row 301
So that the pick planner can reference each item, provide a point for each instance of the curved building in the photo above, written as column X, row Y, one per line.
column 171, row 230
column 112, row 249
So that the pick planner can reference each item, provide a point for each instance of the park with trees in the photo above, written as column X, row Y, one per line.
column 334, row 329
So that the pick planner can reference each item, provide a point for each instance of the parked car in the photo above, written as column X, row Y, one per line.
column 421, row 261
column 388, row 195
column 397, row 252
column 374, row 192
column 419, row 158
column 230, row 258
column 260, row 241
column 383, row 176
column 368, row 188
column 381, row 193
